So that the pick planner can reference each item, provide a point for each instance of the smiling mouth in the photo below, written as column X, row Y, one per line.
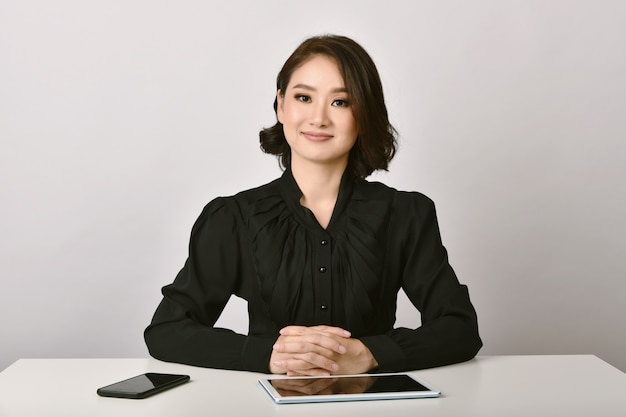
column 316, row 136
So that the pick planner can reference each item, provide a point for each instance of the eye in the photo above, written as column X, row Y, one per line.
column 341, row 103
column 303, row 98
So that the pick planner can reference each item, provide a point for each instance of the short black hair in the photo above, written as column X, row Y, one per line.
column 376, row 142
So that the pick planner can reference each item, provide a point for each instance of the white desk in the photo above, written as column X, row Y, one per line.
column 578, row 385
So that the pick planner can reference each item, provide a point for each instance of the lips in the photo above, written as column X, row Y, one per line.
column 316, row 136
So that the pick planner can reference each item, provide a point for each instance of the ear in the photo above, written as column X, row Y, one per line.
column 280, row 100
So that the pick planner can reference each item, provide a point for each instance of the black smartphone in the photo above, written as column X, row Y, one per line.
column 142, row 386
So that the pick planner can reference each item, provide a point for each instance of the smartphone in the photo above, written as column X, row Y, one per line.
column 142, row 386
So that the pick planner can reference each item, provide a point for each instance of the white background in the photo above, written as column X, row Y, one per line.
column 120, row 119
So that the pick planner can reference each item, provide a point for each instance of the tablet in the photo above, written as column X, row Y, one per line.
column 284, row 390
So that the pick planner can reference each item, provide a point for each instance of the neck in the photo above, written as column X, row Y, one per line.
column 320, row 187
column 317, row 182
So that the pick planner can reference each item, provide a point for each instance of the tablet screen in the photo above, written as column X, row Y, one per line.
column 347, row 388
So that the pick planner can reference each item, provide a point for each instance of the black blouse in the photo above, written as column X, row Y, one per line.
column 266, row 248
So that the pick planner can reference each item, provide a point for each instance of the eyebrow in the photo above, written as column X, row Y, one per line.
column 310, row 88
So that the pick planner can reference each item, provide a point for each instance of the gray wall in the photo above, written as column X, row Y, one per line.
column 120, row 119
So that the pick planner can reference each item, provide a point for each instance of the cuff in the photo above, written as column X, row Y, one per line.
column 387, row 353
column 256, row 354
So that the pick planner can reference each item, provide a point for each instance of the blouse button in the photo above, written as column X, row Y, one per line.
column 324, row 242
column 324, row 307
column 322, row 269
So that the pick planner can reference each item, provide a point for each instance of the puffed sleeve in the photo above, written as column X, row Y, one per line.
column 449, row 330
column 182, row 329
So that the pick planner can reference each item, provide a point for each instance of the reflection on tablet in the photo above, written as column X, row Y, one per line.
column 346, row 385
column 286, row 390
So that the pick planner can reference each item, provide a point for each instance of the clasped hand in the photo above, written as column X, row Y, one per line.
column 320, row 351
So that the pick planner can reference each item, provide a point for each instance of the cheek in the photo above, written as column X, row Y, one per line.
column 288, row 119
column 351, row 126
column 286, row 114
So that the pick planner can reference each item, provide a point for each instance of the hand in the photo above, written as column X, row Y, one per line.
column 319, row 350
column 301, row 350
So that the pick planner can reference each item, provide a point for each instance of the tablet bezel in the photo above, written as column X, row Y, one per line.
column 432, row 392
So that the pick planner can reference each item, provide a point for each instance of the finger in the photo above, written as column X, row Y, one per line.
column 314, row 342
column 310, row 372
column 282, row 366
column 301, row 344
column 302, row 330
column 305, row 362
column 333, row 330
column 294, row 330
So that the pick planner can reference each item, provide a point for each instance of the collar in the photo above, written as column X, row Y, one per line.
column 292, row 194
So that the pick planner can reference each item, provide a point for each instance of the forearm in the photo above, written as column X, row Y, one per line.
column 183, row 340
column 446, row 341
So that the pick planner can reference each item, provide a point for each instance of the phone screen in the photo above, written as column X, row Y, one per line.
column 142, row 386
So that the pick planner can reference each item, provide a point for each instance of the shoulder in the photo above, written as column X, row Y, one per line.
column 412, row 216
column 245, row 196
column 402, row 200
column 215, row 214
column 257, row 193
column 237, row 206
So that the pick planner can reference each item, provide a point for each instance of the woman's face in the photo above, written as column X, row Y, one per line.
column 316, row 114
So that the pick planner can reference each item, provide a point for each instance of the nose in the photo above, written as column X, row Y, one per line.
column 319, row 114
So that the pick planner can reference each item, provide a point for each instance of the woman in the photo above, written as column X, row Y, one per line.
column 319, row 254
